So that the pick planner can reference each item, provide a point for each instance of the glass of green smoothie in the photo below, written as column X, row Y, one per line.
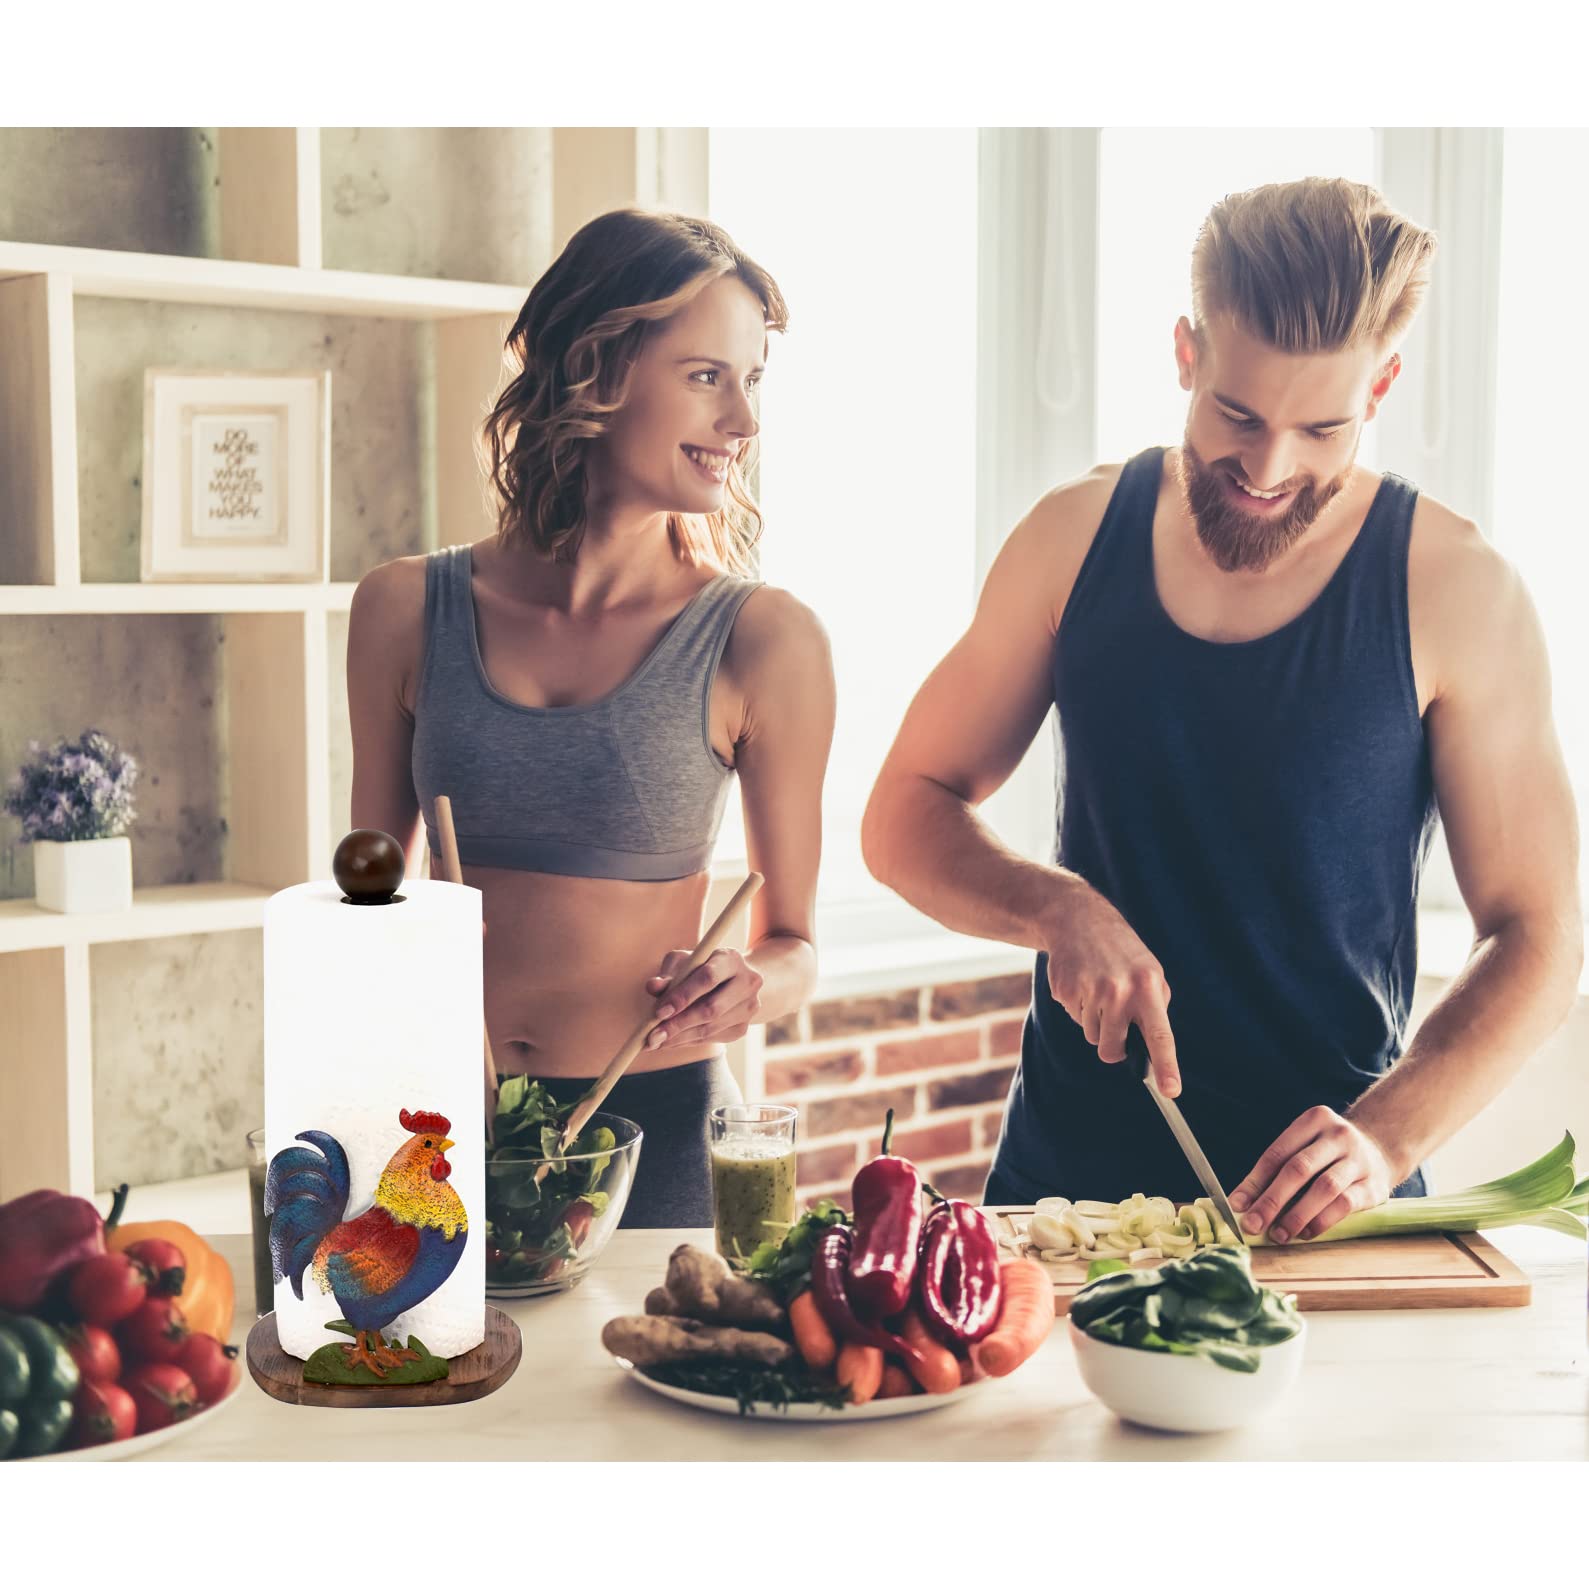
column 753, row 1175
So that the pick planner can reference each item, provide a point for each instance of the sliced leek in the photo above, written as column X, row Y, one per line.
column 1143, row 1228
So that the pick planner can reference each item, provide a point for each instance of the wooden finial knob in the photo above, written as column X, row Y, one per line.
column 368, row 866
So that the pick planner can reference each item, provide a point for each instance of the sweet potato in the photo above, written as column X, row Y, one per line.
column 647, row 1340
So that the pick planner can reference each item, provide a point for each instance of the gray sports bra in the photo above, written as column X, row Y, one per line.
column 628, row 786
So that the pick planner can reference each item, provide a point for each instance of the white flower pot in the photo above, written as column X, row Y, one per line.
column 83, row 875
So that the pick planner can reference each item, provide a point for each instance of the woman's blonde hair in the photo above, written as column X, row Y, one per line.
column 1311, row 266
column 573, row 348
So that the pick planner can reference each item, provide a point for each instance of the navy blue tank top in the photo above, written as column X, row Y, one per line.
column 1259, row 812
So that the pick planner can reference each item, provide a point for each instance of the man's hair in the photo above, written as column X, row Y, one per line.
column 1311, row 266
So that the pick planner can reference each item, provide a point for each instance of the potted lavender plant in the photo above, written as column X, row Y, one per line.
column 74, row 802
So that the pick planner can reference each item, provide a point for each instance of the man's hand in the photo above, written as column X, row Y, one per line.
column 714, row 1004
column 1319, row 1170
column 1103, row 977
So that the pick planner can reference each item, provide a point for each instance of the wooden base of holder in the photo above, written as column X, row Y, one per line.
column 477, row 1373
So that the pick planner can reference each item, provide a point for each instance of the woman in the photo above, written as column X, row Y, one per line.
column 584, row 685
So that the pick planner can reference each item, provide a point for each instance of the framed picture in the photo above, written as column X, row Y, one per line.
column 236, row 481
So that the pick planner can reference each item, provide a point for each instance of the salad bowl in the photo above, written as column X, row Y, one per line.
column 545, row 1230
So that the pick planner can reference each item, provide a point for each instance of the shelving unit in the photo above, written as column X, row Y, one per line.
column 107, row 598
column 240, row 284
column 155, row 913
column 276, row 648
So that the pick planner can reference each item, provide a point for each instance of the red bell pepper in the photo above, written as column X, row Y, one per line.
column 887, row 1198
column 42, row 1235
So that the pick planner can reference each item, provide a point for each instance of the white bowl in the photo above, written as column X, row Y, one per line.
column 1166, row 1390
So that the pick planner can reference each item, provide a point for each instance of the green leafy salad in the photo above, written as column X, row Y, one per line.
column 533, row 1231
column 1206, row 1305
column 786, row 1265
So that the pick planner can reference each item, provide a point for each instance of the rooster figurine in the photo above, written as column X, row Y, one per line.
column 393, row 1255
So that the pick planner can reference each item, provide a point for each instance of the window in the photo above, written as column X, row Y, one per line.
column 868, row 415
column 1541, row 517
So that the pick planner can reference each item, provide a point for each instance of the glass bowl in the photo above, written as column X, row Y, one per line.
column 544, row 1237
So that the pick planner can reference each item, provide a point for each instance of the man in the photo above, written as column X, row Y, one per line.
column 1269, row 663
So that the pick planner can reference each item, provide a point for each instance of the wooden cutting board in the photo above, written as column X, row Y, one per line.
column 1438, row 1270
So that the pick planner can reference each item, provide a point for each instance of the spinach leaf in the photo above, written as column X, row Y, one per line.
column 600, row 1140
column 1100, row 1296
column 1211, row 1316
column 1222, row 1274
column 1207, row 1304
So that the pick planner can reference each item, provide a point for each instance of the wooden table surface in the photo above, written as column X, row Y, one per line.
column 1474, row 1383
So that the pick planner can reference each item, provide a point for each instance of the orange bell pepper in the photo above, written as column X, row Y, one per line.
column 209, row 1295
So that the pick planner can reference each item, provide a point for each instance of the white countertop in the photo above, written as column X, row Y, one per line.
column 1428, row 1384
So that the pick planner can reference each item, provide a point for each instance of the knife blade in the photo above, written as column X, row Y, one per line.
column 1137, row 1058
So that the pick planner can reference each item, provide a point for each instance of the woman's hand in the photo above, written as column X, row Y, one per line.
column 714, row 1004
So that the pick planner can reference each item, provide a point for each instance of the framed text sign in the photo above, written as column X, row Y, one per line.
column 236, row 483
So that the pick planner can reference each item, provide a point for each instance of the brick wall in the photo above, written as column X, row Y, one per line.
column 941, row 1057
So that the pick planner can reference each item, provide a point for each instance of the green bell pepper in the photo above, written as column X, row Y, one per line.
column 38, row 1380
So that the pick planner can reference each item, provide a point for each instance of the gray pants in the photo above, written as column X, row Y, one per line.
column 673, row 1177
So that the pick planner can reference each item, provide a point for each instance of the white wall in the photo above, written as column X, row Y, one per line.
column 1549, row 1096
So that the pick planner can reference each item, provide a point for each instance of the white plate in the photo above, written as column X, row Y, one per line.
column 800, row 1411
column 115, row 1450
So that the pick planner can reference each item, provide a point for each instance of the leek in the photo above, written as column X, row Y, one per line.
column 1559, row 1219
column 1533, row 1195
column 1543, row 1193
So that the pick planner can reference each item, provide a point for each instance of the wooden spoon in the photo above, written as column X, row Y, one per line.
column 452, row 867
column 621, row 1061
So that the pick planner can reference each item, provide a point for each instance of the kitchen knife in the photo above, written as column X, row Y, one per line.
column 1142, row 1069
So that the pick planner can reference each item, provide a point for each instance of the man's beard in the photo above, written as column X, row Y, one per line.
column 1239, row 541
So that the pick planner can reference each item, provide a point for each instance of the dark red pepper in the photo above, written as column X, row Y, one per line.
column 887, row 1198
column 829, row 1286
column 830, row 1268
column 960, row 1289
column 938, row 1287
column 980, row 1290
column 42, row 1235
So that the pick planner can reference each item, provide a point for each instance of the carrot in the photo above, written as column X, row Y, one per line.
column 861, row 1369
column 934, row 1364
column 811, row 1333
column 896, row 1382
column 1024, row 1321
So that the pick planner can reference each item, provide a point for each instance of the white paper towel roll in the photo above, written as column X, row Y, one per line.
column 371, row 1010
